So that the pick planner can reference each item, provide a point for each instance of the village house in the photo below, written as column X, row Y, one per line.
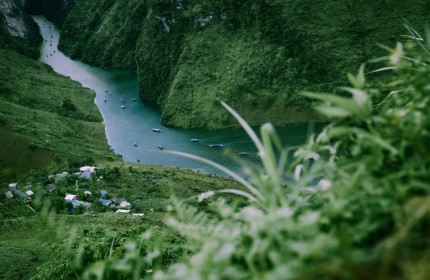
column 125, row 204
column 9, row 195
column 72, row 199
column 85, row 171
column 60, row 176
column 50, row 187
column 13, row 186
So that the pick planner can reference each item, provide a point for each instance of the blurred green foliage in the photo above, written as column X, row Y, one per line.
column 353, row 202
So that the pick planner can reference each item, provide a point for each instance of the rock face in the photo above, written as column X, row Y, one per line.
column 18, row 31
column 54, row 10
column 255, row 55
column 18, row 24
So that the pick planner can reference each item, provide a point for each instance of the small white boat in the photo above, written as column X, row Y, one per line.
column 156, row 130
column 160, row 147
column 135, row 144
column 122, row 106
column 194, row 140
column 216, row 145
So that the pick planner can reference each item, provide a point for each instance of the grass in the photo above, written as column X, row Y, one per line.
column 38, row 128
column 26, row 236
column 23, row 246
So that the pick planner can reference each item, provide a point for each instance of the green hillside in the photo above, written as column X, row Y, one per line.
column 29, row 240
column 255, row 55
column 50, row 124
column 46, row 118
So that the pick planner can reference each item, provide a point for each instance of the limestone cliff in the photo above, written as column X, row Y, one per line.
column 54, row 10
column 17, row 30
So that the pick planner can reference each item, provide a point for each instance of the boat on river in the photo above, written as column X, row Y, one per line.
column 244, row 154
column 216, row 145
column 122, row 100
column 156, row 130
column 135, row 144
column 160, row 147
column 122, row 106
column 194, row 140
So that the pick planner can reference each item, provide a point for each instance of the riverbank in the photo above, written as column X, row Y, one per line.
column 133, row 125
column 46, row 119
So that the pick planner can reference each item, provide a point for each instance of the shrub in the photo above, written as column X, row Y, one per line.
column 68, row 105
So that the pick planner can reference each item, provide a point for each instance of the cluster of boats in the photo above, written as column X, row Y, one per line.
column 215, row 145
column 121, row 99
column 196, row 140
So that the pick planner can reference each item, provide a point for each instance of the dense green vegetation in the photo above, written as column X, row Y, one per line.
column 255, row 55
column 46, row 118
column 35, row 238
column 49, row 124
column 367, row 215
column 352, row 203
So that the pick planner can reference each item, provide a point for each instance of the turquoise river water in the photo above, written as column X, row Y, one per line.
column 129, row 131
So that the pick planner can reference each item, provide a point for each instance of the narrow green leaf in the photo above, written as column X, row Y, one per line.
column 359, row 80
column 360, row 96
column 245, row 126
column 227, row 171
column 332, row 112
column 383, row 69
column 269, row 159
column 341, row 103
column 238, row 192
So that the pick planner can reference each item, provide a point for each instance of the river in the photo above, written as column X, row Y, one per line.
column 129, row 131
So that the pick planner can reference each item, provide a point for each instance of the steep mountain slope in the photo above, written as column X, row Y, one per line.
column 45, row 118
column 255, row 55
column 18, row 32
column 188, row 55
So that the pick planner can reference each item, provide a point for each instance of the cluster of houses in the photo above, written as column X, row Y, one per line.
column 84, row 172
column 25, row 193
column 121, row 204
